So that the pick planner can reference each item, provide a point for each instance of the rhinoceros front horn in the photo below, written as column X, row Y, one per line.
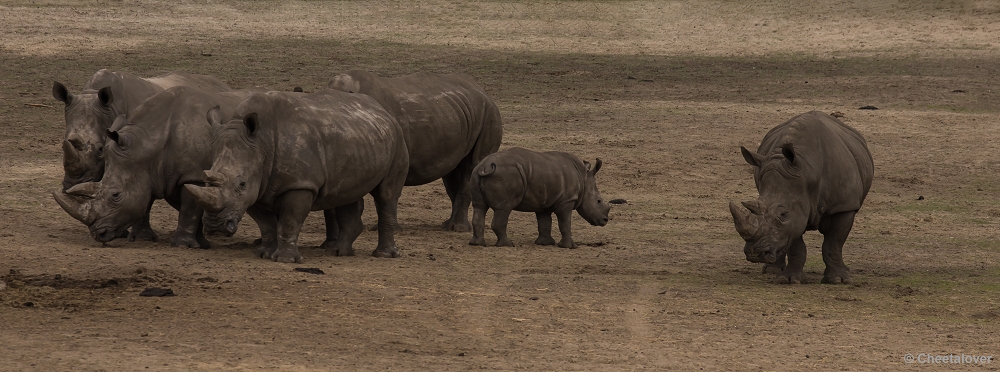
column 747, row 224
column 208, row 198
column 77, row 201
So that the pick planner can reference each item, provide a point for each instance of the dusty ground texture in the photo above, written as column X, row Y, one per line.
column 664, row 92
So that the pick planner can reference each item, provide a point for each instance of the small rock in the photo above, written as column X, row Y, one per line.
column 617, row 201
column 958, row 91
column 534, row 298
column 310, row 270
column 837, row 114
column 921, row 197
column 461, row 354
column 3, row 286
column 868, row 108
column 29, row 304
column 297, row 89
column 157, row 292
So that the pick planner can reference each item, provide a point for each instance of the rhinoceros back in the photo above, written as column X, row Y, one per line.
column 835, row 161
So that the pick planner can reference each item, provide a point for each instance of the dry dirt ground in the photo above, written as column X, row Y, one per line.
column 664, row 92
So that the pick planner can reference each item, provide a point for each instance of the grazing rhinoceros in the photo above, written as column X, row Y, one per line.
column 540, row 182
column 164, row 144
column 812, row 172
column 90, row 113
column 449, row 123
column 289, row 153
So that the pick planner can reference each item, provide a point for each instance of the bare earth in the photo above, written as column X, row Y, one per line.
column 663, row 92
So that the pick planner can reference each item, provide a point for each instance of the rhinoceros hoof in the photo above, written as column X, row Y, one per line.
column 450, row 225
column 773, row 268
column 287, row 256
column 788, row 278
column 386, row 253
column 263, row 252
column 142, row 234
column 505, row 243
column 837, row 279
column 567, row 244
column 340, row 252
column 256, row 242
column 545, row 241
column 188, row 241
column 477, row 241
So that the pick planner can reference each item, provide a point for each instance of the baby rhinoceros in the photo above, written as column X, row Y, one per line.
column 541, row 182
column 813, row 173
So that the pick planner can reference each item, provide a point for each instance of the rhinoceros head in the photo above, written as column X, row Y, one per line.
column 233, row 183
column 122, row 196
column 88, row 115
column 593, row 207
column 771, row 224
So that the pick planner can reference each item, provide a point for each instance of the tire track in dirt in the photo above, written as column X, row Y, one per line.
column 643, row 335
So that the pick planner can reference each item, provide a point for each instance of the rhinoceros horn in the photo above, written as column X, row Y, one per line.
column 755, row 206
column 78, row 200
column 208, row 197
column 71, row 155
column 747, row 222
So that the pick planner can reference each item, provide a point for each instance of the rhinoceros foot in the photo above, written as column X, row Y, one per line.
column 504, row 242
column 392, row 252
column 264, row 252
column 836, row 276
column 477, row 241
column 287, row 256
column 774, row 268
column 190, row 242
column 142, row 233
column 788, row 277
column 545, row 240
column 334, row 250
column 567, row 243
column 459, row 226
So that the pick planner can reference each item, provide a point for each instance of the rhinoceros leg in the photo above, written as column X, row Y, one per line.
column 544, row 229
column 565, row 217
column 348, row 217
column 499, row 226
column 478, row 217
column 386, row 202
column 142, row 230
column 792, row 274
column 456, row 184
column 293, row 208
column 189, row 230
column 332, row 228
column 268, row 225
column 835, row 230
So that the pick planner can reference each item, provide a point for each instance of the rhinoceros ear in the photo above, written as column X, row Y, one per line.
column 751, row 157
column 214, row 116
column 105, row 96
column 113, row 135
column 788, row 152
column 60, row 92
column 597, row 165
column 252, row 123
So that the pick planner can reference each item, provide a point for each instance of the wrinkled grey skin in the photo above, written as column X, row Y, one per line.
column 813, row 173
column 164, row 145
column 540, row 182
column 449, row 124
column 285, row 154
column 89, row 115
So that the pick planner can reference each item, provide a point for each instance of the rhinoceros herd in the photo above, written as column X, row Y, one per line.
column 215, row 153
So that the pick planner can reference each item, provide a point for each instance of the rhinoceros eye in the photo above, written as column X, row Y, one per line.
column 116, row 196
column 243, row 185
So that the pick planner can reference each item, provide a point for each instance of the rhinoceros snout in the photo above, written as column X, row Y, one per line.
column 105, row 235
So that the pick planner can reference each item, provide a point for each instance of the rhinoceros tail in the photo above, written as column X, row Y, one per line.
column 483, row 172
